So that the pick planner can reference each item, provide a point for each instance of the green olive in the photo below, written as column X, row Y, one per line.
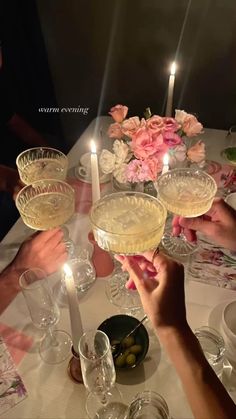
column 136, row 349
column 130, row 360
column 120, row 361
column 127, row 342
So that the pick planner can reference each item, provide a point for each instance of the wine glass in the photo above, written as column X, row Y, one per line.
column 56, row 344
column 185, row 192
column 41, row 163
column 98, row 372
column 127, row 223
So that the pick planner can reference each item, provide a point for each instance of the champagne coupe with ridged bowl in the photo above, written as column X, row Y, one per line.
column 185, row 192
column 41, row 163
column 127, row 223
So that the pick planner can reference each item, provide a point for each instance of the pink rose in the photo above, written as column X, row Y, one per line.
column 171, row 138
column 197, row 153
column 114, row 131
column 146, row 143
column 191, row 126
column 155, row 123
column 170, row 125
column 118, row 112
column 130, row 126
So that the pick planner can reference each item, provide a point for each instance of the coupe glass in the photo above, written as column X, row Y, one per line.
column 41, row 163
column 98, row 373
column 56, row 344
column 127, row 223
column 46, row 204
column 185, row 192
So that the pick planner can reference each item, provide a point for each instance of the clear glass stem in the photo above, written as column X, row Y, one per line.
column 53, row 339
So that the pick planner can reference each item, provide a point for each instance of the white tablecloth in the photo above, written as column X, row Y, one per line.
column 51, row 393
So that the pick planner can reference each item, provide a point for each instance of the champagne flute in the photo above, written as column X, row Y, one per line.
column 56, row 344
column 98, row 372
column 185, row 192
column 127, row 223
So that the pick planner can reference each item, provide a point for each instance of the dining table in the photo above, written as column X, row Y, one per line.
column 51, row 393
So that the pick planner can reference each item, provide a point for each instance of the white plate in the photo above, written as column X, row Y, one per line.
column 103, row 178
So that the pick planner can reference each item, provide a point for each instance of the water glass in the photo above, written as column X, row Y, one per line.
column 56, row 344
column 98, row 371
column 213, row 346
column 148, row 405
column 83, row 272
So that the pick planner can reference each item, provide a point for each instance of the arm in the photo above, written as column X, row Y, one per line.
column 45, row 250
column 163, row 300
column 219, row 224
column 25, row 132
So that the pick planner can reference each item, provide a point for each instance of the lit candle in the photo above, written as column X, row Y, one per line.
column 165, row 167
column 170, row 90
column 94, row 173
column 75, row 318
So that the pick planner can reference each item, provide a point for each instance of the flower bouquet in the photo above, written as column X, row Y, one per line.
column 140, row 144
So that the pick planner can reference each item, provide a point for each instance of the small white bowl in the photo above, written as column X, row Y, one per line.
column 229, row 323
column 231, row 200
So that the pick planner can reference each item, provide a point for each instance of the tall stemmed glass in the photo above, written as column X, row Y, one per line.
column 185, row 192
column 98, row 373
column 56, row 344
column 127, row 223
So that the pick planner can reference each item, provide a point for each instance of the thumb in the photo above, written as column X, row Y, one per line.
column 197, row 224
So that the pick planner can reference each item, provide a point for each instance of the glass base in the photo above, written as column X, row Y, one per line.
column 127, row 300
column 178, row 245
column 111, row 409
column 55, row 348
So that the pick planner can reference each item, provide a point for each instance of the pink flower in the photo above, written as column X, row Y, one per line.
column 196, row 153
column 155, row 123
column 191, row 126
column 131, row 125
column 172, row 139
column 142, row 170
column 177, row 154
column 146, row 143
column 118, row 112
column 170, row 125
column 114, row 131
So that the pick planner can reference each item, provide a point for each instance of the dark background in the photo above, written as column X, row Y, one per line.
column 98, row 53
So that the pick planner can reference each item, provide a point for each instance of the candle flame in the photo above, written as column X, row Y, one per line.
column 67, row 270
column 93, row 147
column 166, row 159
column 173, row 69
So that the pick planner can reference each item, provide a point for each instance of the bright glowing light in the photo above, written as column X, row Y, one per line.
column 67, row 270
column 166, row 159
column 93, row 147
column 173, row 69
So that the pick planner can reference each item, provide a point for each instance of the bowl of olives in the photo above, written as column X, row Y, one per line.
column 133, row 349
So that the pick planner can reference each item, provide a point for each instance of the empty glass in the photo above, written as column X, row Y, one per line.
column 148, row 405
column 98, row 372
column 83, row 272
column 56, row 344
column 213, row 346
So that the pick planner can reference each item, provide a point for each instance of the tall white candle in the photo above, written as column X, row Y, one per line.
column 165, row 167
column 169, row 102
column 94, row 173
column 75, row 318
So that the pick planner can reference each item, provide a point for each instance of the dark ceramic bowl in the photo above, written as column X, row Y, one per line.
column 116, row 328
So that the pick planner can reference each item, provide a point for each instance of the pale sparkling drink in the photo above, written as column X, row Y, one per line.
column 46, row 204
column 128, row 222
column 186, row 192
column 41, row 163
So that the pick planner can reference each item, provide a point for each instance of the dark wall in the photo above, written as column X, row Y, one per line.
column 103, row 52
column 25, row 69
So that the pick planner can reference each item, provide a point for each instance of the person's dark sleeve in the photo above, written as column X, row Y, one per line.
column 6, row 109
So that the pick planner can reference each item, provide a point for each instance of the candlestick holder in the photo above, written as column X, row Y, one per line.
column 74, row 368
